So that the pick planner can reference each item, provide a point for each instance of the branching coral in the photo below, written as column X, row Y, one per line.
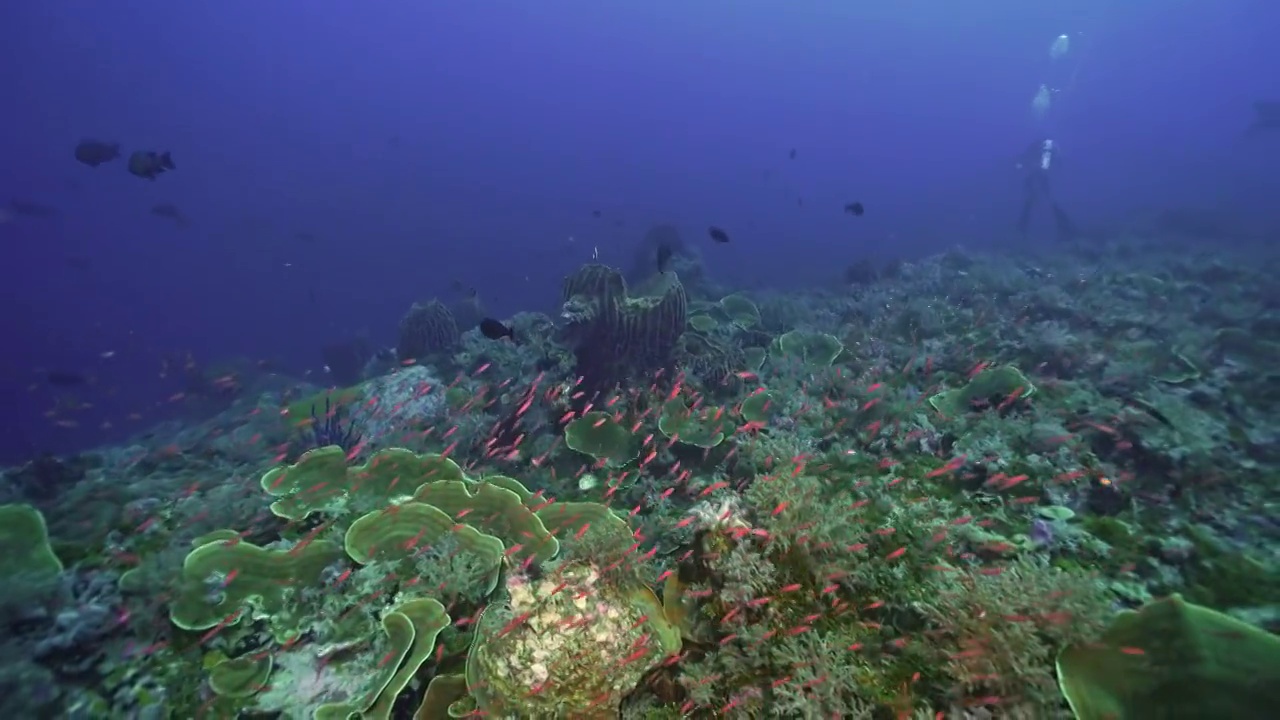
column 847, row 595
column 330, row 430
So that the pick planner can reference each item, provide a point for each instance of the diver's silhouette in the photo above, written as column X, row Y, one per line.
column 1036, row 161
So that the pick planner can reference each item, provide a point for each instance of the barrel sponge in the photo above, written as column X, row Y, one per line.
column 642, row 329
column 652, row 325
column 425, row 330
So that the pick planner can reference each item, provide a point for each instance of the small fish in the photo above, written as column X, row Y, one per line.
column 95, row 152
column 854, row 208
column 793, row 153
column 64, row 378
column 149, row 165
column 27, row 208
column 495, row 330
column 664, row 256
column 171, row 212
column 717, row 234
column 595, row 213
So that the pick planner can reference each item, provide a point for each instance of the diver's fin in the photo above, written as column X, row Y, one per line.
column 1066, row 228
column 1024, row 219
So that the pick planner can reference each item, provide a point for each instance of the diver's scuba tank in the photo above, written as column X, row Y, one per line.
column 1059, row 52
column 1060, row 47
column 1047, row 150
column 1040, row 103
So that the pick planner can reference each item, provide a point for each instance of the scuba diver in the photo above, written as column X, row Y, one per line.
column 1036, row 162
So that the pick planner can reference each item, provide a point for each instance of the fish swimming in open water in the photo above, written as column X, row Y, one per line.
column 150, row 165
column 95, row 152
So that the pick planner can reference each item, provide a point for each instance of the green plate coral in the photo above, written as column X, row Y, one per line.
column 598, row 435
column 758, row 408
column 27, row 553
column 702, row 323
column 815, row 349
column 740, row 310
column 700, row 428
column 991, row 386
column 1172, row 660
column 321, row 481
column 223, row 580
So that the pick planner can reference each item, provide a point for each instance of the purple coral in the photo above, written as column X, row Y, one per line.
column 1042, row 532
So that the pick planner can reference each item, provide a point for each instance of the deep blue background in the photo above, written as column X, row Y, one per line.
column 428, row 141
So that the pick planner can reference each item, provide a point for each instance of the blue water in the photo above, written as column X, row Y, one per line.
column 427, row 143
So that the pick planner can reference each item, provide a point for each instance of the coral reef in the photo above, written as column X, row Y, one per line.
column 616, row 337
column 426, row 330
column 974, row 486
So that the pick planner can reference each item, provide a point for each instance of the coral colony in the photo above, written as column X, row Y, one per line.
column 1036, row 497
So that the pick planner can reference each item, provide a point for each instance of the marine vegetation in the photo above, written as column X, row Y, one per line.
column 965, row 488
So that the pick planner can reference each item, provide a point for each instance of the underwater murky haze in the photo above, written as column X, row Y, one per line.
column 564, row 360
column 481, row 140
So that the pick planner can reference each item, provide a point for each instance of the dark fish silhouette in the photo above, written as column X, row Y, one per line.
column 171, row 212
column 95, row 152
column 595, row 213
column 495, row 330
column 149, row 165
column 1267, row 114
column 717, row 234
column 854, row 208
column 793, row 153
column 664, row 256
